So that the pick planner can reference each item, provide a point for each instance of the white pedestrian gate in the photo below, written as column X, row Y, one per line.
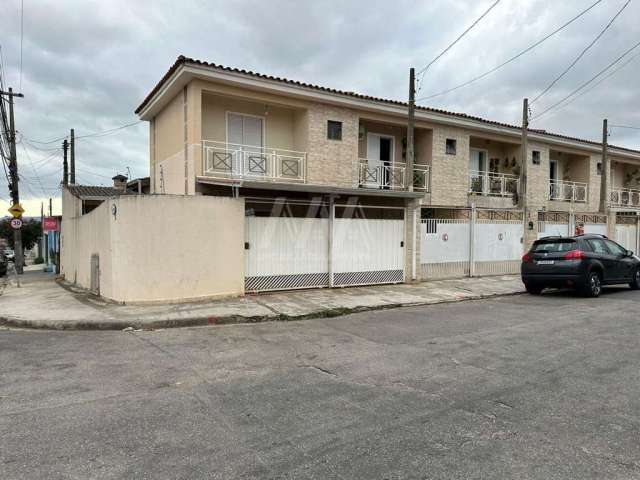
column 467, row 246
column 285, row 252
column 498, row 247
column 445, row 247
column 627, row 236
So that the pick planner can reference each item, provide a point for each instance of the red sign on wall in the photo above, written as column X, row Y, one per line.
column 50, row 224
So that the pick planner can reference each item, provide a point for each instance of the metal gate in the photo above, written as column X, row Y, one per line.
column 311, row 246
column 445, row 247
column 468, row 242
column 554, row 224
column 498, row 246
column 368, row 250
column 286, row 253
column 626, row 232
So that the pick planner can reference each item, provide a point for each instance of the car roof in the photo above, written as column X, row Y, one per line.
column 585, row 236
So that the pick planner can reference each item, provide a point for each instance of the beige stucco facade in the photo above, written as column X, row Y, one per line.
column 156, row 248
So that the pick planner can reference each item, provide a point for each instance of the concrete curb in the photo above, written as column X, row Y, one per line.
column 141, row 324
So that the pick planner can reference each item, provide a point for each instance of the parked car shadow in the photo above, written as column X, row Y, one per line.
column 567, row 292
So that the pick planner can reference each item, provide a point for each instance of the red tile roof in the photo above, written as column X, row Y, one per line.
column 182, row 60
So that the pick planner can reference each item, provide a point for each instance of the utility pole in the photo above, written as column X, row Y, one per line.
column 73, row 158
column 65, row 164
column 13, row 172
column 604, row 178
column 525, row 153
column 410, row 129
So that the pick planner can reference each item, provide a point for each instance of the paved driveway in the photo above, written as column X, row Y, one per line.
column 518, row 387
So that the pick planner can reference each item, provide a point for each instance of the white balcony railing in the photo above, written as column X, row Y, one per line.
column 230, row 160
column 421, row 178
column 376, row 174
column 568, row 191
column 625, row 197
column 494, row 184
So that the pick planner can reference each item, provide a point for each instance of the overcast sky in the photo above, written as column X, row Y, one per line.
column 88, row 64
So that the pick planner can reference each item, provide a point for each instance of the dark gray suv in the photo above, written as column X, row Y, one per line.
column 585, row 263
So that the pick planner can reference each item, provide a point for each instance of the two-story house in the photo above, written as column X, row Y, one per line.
column 328, row 196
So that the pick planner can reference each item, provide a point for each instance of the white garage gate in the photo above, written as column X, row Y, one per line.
column 312, row 246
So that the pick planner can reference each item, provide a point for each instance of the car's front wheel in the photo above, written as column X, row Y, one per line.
column 635, row 283
column 593, row 287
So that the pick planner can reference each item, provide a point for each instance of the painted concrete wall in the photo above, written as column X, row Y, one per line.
column 81, row 237
column 158, row 248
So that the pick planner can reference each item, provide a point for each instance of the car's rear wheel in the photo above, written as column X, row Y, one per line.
column 635, row 283
column 534, row 289
column 593, row 287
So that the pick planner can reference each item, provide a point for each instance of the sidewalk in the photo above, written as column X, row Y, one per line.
column 41, row 302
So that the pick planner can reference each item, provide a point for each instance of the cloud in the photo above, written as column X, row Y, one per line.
column 88, row 64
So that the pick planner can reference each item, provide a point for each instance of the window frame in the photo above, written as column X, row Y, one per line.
column 454, row 142
column 336, row 124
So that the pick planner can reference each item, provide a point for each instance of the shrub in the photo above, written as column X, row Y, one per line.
column 38, row 261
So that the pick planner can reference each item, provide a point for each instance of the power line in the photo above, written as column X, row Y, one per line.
column 588, row 82
column 21, row 38
column 422, row 72
column 89, row 135
column 582, row 53
column 624, row 126
column 515, row 57
column 109, row 131
column 595, row 85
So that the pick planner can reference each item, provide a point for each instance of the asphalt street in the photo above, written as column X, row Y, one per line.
column 518, row 387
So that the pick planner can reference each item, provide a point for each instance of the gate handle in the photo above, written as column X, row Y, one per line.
column 402, row 244
column 246, row 246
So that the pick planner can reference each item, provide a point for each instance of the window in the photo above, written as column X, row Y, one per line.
column 334, row 130
column 598, row 246
column 599, row 168
column 615, row 249
column 535, row 157
column 450, row 146
column 554, row 246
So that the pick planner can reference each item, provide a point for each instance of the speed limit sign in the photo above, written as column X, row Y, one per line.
column 16, row 223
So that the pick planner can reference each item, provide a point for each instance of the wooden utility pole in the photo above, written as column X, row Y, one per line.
column 65, row 164
column 604, row 177
column 524, row 170
column 73, row 158
column 410, row 129
column 13, row 173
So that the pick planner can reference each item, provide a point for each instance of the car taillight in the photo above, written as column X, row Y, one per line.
column 574, row 255
column 526, row 258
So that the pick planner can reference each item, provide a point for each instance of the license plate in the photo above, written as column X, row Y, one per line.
column 545, row 262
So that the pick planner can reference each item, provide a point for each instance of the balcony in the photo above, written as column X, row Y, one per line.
column 233, row 161
column 564, row 191
column 493, row 184
column 625, row 197
column 375, row 174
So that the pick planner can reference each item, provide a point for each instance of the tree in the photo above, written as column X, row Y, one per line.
column 31, row 232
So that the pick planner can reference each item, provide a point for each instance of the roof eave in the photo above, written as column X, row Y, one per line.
column 184, row 70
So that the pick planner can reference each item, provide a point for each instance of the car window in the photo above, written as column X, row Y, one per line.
column 598, row 246
column 552, row 247
column 615, row 248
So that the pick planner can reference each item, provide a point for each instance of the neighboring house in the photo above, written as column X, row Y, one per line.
column 327, row 198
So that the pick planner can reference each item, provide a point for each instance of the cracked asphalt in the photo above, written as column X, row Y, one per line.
column 517, row 387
